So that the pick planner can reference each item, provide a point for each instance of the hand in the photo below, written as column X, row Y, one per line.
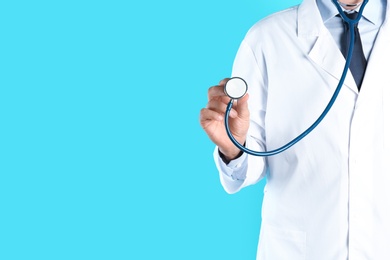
column 212, row 120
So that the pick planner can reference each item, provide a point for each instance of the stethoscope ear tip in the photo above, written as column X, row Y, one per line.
column 236, row 88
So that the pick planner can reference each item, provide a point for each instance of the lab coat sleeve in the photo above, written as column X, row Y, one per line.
column 247, row 169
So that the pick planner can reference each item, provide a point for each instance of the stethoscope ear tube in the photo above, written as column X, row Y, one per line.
column 348, row 20
column 351, row 23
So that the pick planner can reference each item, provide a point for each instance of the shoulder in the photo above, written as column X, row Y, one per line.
column 284, row 21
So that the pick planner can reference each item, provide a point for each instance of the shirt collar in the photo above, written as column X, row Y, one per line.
column 374, row 11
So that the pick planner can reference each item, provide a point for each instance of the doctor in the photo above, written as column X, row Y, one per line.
column 327, row 197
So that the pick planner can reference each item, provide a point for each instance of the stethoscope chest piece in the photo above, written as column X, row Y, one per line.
column 236, row 88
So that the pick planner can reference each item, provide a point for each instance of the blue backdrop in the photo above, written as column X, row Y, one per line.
column 102, row 155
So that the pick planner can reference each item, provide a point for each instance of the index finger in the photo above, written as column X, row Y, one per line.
column 223, row 81
column 217, row 91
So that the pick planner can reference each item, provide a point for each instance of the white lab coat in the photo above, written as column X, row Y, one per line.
column 327, row 197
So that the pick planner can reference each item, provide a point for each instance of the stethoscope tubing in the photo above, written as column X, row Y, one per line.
column 351, row 24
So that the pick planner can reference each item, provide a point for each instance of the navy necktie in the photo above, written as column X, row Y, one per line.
column 358, row 61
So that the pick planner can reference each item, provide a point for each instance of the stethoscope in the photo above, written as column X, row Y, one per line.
column 236, row 88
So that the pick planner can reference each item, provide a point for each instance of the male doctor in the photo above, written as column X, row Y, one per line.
column 327, row 197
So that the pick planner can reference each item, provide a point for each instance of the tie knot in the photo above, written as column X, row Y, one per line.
column 352, row 15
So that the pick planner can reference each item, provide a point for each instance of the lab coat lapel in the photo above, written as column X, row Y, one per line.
column 379, row 61
column 327, row 55
column 324, row 52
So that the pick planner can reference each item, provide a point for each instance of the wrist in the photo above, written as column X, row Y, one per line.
column 228, row 156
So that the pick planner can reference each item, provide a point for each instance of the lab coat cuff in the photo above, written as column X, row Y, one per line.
column 235, row 169
column 233, row 164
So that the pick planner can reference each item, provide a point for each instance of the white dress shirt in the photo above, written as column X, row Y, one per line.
column 327, row 196
column 373, row 17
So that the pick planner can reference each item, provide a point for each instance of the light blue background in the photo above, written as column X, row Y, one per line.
column 102, row 155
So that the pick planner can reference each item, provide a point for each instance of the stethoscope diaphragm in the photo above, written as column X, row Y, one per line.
column 236, row 88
